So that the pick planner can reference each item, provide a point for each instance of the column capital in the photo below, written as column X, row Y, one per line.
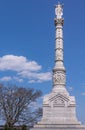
column 59, row 21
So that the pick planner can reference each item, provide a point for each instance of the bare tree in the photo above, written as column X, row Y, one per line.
column 15, row 104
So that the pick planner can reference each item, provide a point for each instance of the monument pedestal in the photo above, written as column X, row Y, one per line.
column 59, row 112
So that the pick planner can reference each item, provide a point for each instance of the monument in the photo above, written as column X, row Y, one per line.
column 59, row 108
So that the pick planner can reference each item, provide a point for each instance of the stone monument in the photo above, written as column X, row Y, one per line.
column 59, row 108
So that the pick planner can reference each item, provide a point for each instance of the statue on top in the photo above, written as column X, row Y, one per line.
column 59, row 11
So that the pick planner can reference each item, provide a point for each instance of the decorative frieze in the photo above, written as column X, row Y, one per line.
column 59, row 78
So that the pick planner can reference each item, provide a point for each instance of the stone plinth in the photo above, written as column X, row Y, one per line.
column 59, row 112
column 61, row 128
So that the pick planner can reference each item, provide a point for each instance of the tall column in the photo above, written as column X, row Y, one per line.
column 59, row 74
column 58, row 107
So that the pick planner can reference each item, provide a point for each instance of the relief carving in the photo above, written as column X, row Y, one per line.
column 59, row 102
column 59, row 78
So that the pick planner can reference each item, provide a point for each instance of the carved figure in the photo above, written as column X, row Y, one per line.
column 59, row 11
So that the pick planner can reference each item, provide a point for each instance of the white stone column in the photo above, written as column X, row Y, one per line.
column 59, row 74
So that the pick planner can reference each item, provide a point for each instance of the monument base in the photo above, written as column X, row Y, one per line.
column 59, row 112
column 59, row 127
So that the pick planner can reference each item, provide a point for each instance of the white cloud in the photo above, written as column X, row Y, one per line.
column 9, row 78
column 83, row 94
column 24, row 68
column 36, row 77
column 17, row 63
column 31, row 81
column 18, row 79
column 35, row 105
column 5, row 79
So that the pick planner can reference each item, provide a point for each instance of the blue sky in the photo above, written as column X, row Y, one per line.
column 27, row 41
